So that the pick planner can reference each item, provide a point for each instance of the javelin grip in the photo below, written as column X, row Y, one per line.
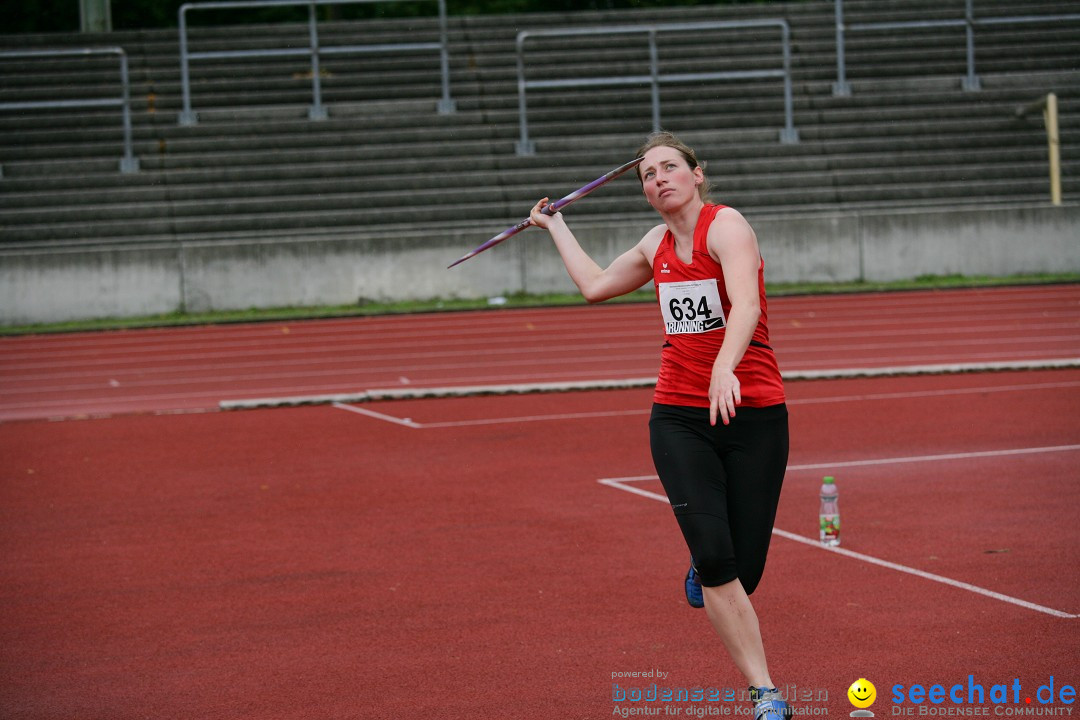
column 550, row 209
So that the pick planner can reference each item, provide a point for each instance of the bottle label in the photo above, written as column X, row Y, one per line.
column 830, row 526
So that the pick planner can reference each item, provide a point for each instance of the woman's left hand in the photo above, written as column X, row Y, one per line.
column 724, row 395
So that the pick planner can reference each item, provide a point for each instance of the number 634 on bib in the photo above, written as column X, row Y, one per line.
column 691, row 306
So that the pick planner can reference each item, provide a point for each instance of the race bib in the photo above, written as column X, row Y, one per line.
column 692, row 306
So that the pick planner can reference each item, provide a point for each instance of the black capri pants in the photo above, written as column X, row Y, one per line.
column 723, row 483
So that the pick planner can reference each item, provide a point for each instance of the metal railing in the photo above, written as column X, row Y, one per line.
column 128, row 162
column 971, row 81
column 787, row 135
column 317, row 110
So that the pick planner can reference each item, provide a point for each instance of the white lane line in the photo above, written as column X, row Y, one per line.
column 415, row 392
column 889, row 461
column 925, row 575
column 805, row 401
column 973, row 362
column 619, row 484
column 804, row 309
column 9, row 389
column 933, row 393
column 407, row 422
column 936, row 458
column 534, row 418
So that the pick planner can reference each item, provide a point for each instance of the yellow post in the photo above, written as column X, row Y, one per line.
column 1050, row 115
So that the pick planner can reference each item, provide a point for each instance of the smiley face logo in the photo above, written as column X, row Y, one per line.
column 862, row 693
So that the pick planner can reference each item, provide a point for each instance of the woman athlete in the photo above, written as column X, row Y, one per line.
column 722, row 480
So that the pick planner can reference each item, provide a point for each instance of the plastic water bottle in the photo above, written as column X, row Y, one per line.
column 829, row 515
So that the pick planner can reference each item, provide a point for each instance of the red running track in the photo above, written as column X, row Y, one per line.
column 162, row 370
column 459, row 558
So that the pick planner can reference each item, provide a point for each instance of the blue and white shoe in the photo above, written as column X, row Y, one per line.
column 769, row 704
column 693, row 587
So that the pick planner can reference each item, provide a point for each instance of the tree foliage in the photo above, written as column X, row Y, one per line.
column 43, row 16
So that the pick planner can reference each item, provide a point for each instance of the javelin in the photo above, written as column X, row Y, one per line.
column 550, row 209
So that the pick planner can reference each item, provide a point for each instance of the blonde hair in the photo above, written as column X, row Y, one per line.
column 663, row 138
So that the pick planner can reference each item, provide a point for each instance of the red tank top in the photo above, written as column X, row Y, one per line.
column 694, row 303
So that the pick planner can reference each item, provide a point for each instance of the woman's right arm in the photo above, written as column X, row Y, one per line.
column 626, row 273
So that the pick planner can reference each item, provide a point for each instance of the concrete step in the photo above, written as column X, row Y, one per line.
column 394, row 205
column 255, row 164
column 932, row 55
column 484, row 228
column 937, row 99
column 306, row 224
column 450, row 189
column 289, row 148
column 150, row 139
column 418, row 172
column 301, row 222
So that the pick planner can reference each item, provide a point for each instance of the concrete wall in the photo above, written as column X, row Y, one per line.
column 56, row 284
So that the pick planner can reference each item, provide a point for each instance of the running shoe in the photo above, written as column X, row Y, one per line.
column 769, row 704
column 693, row 587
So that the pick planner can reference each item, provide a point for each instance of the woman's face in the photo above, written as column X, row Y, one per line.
column 667, row 179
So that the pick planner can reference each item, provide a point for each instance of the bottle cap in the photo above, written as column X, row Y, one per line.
column 828, row 479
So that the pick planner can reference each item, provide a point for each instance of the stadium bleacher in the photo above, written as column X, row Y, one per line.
column 254, row 163
column 386, row 163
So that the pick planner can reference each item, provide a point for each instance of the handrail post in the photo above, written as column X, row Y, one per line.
column 317, row 111
column 523, row 146
column 840, row 88
column 187, row 117
column 128, row 163
column 789, row 135
column 654, row 65
column 446, row 106
column 1049, row 107
column 1050, row 116
column 971, row 82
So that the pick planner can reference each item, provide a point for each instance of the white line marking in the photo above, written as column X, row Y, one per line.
column 534, row 418
column 409, row 422
column 936, row 458
column 379, row 416
column 933, row 393
column 805, row 401
column 627, row 383
column 923, row 574
column 416, row 393
column 935, row 369
column 890, row 461
column 618, row 484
